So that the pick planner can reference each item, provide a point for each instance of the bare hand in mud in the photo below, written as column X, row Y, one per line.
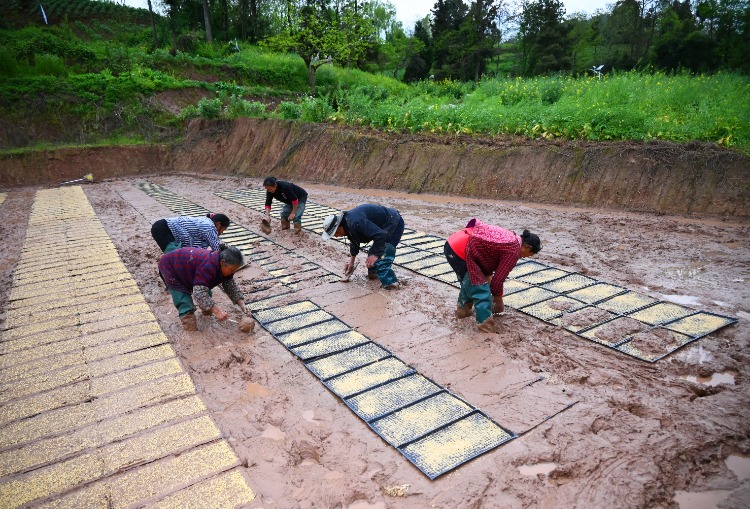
column 219, row 313
column 497, row 304
column 371, row 260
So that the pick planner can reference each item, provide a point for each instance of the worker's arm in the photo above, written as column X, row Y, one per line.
column 269, row 200
column 232, row 289
column 206, row 303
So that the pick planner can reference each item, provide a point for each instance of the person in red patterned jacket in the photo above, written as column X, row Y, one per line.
column 191, row 272
column 491, row 253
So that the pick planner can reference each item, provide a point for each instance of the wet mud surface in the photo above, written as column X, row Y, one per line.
column 629, row 433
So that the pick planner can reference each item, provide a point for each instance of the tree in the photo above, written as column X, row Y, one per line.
column 354, row 34
column 153, row 24
column 312, row 37
column 481, row 37
column 418, row 66
column 207, row 21
column 681, row 43
column 542, row 38
column 447, row 17
column 400, row 49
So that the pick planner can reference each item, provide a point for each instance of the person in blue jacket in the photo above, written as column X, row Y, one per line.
column 383, row 226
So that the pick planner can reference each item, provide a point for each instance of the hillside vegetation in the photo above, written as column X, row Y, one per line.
column 93, row 77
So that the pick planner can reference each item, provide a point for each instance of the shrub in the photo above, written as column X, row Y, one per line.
column 8, row 65
column 289, row 110
column 49, row 64
column 238, row 107
column 209, row 108
column 315, row 110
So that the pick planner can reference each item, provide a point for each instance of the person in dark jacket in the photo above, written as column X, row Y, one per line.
column 190, row 273
column 292, row 196
column 365, row 223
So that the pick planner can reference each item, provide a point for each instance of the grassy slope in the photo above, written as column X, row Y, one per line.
column 91, row 81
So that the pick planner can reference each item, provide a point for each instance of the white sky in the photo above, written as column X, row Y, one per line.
column 409, row 12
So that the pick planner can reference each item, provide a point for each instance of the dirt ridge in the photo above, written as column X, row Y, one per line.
column 662, row 177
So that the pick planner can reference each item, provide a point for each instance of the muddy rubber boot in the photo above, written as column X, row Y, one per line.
column 284, row 224
column 189, row 322
column 297, row 228
column 488, row 326
column 392, row 286
column 464, row 311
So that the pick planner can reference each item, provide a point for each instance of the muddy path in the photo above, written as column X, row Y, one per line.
column 639, row 435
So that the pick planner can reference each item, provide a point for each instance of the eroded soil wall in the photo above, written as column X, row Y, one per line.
column 655, row 177
column 50, row 168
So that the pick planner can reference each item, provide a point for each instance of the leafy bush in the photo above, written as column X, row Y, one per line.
column 49, row 64
column 29, row 42
column 8, row 64
column 238, row 107
column 315, row 110
column 188, row 42
column 289, row 110
column 209, row 108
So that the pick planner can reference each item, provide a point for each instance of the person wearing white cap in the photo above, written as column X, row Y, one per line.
column 381, row 225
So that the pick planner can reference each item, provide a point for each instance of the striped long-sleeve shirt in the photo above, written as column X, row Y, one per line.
column 194, row 232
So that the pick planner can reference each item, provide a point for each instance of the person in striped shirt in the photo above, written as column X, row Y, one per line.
column 491, row 253
column 176, row 232
column 190, row 273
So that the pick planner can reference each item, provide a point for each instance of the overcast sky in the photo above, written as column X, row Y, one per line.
column 410, row 11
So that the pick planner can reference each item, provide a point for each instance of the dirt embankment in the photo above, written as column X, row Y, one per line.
column 654, row 177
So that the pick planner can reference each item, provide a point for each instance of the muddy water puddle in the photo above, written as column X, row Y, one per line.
column 740, row 465
column 713, row 380
column 254, row 389
column 539, row 468
column 689, row 272
column 702, row 500
column 685, row 300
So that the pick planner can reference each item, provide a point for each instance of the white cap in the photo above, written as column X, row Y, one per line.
column 331, row 224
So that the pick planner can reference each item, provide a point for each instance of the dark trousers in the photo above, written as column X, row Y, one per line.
column 457, row 264
column 161, row 234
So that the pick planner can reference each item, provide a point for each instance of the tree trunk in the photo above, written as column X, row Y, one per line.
column 207, row 21
column 225, row 19
column 243, row 20
column 153, row 24
column 311, row 69
column 254, row 21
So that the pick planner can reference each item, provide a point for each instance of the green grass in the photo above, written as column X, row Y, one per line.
column 92, row 70
column 626, row 106
column 113, row 141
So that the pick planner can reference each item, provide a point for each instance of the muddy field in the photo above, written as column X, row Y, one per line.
column 671, row 434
